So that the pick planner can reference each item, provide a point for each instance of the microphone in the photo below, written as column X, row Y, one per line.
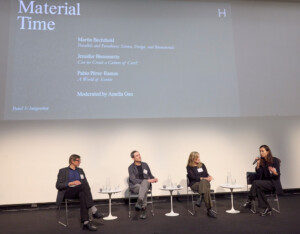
column 256, row 160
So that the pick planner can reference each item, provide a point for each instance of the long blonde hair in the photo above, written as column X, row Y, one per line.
column 192, row 157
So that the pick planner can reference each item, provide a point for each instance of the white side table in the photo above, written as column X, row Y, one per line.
column 171, row 189
column 232, row 187
column 110, row 192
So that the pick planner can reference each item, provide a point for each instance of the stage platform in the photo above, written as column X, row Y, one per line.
column 44, row 220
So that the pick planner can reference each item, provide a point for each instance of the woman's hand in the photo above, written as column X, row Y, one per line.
column 258, row 162
column 209, row 178
column 273, row 170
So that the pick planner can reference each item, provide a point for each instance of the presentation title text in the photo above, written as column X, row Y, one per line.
column 28, row 23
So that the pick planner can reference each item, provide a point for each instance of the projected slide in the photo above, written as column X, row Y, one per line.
column 120, row 59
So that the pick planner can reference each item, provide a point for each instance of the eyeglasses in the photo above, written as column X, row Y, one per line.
column 77, row 160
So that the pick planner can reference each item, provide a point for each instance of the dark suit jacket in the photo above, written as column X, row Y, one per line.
column 134, row 174
column 63, row 180
column 275, row 179
column 194, row 175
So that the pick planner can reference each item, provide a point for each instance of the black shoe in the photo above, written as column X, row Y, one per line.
column 267, row 211
column 143, row 214
column 89, row 227
column 138, row 205
column 211, row 213
column 247, row 204
column 98, row 215
column 199, row 202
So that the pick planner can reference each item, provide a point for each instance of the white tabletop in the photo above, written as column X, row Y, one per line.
column 171, row 188
column 110, row 191
column 232, row 186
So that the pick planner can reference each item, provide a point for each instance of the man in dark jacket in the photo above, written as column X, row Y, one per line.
column 72, row 183
column 140, row 179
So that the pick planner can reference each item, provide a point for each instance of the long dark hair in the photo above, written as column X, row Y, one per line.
column 269, row 159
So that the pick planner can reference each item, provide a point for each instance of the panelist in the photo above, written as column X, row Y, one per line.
column 267, row 179
column 140, row 179
column 72, row 183
column 200, row 181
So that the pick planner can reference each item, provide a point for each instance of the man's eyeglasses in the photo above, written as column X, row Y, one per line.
column 77, row 160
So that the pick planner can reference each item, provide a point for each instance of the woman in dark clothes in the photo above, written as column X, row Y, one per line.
column 200, row 181
column 267, row 179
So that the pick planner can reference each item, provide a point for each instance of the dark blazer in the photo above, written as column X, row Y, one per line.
column 193, row 174
column 63, row 180
column 275, row 179
column 134, row 174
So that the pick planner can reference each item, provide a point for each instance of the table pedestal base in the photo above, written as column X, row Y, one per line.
column 233, row 211
column 172, row 214
column 110, row 217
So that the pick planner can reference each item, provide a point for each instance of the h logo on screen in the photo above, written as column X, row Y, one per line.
column 222, row 13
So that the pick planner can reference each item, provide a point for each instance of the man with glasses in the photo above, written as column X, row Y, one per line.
column 140, row 179
column 72, row 183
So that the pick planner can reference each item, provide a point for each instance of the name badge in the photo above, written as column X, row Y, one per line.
column 200, row 169
column 145, row 171
column 82, row 176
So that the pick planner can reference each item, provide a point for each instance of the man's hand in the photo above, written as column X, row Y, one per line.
column 75, row 182
column 153, row 180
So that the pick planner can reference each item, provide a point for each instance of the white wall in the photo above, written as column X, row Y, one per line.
column 31, row 152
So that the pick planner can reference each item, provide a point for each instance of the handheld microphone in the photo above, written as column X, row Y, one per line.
column 256, row 160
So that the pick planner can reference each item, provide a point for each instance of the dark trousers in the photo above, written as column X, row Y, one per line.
column 258, row 189
column 83, row 192
column 203, row 188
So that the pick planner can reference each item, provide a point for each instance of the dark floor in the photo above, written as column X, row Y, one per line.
column 45, row 221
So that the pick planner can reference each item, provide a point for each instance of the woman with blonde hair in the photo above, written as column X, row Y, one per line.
column 199, row 181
